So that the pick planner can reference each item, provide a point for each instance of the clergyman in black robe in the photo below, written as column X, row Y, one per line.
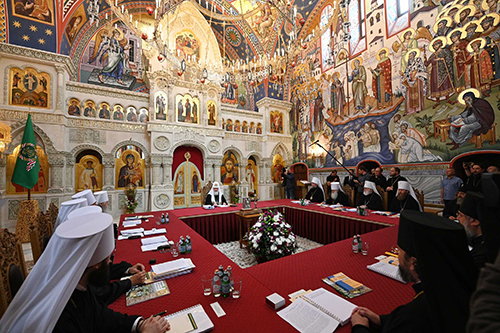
column 406, row 202
column 315, row 194
column 372, row 201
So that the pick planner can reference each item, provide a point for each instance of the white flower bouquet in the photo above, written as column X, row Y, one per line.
column 271, row 237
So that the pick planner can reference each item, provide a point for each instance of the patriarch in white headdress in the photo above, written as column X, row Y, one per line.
column 87, row 194
column 67, row 207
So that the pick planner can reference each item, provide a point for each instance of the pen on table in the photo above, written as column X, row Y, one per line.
column 391, row 254
column 160, row 313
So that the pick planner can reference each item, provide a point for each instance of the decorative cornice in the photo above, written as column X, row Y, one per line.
column 106, row 125
column 287, row 139
column 39, row 117
column 107, row 92
column 14, row 51
column 225, row 110
column 170, row 128
column 271, row 102
column 244, row 136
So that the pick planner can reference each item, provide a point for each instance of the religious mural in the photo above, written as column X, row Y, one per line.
column 28, row 87
column 76, row 22
column 43, row 176
column 88, row 173
column 104, row 111
column 229, row 168
column 89, row 109
column 187, row 184
column 143, row 115
column 118, row 112
column 230, row 94
column 113, row 58
column 277, row 168
column 419, row 93
column 38, row 10
column 130, row 167
column 276, row 119
column 251, row 171
column 161, row 105
column 187, row 46
column 131, row 114
column 212, row 113
column 187, row 109
column 74, row 107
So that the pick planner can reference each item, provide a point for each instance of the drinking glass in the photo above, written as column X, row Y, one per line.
column 175, row 251
column 206, row 283
column 366, row 247
column 237, row 287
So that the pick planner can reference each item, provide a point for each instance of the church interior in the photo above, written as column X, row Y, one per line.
column 165, row 98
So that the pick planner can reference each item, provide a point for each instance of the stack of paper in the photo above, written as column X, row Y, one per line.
column 131, row 223
column 155, row 231
column 152, row 243
column 172, row 268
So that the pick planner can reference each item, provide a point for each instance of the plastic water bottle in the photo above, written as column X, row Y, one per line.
column 231, row 278
column 188, row 244
column 360, row 243
column 226, row 285
column 216, row 287
column 167, row 219
column 162, row 219
column 182, row 245
column 355, row 247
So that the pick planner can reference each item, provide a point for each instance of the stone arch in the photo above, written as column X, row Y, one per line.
column 282, row 150
column 75, row 151
column 192, row 143
column 258, row 157
column 131, row 142
column 236, row 150
column 17, row 130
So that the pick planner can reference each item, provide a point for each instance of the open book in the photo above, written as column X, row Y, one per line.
column 386, row 269
column 193, row 319
column 318, row 312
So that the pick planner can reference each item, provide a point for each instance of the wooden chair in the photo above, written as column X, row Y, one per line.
column 52, row 213
column 12, row 268
column 40, row 234
column 204, row 192
column 385, row 197
column 350, row 194
column 325, row 189
column 420, row 197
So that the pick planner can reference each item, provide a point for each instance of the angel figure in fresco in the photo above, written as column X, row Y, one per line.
column 407, row 43
column 265, row 21
column 114, row 49
column 382, row 80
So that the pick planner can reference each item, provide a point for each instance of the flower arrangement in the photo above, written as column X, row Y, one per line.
column 130, row 203
column 271, row 237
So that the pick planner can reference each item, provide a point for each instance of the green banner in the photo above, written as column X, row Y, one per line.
column 27, row 164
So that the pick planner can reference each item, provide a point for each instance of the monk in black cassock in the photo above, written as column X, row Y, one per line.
column 316, row 193
column 337, row 195
column 370, row 197
column 405, row 200
column 331, row 179
column 392, row 182
column 433, row 254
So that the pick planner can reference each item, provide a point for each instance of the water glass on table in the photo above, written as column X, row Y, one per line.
column 366, row 247
column 175, row 251
column 237, row 287
column 206, row 283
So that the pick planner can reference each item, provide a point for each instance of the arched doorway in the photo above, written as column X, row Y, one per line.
column 301, row 172
column 369, row 165
column 188, row 177
column 486, row 158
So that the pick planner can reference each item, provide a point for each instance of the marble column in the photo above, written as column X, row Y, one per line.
column 167, row 170
column 157, row 176
column 217, row 170
column 208, row 172
column 267, row 171
column 56, row 162
column 70, row 173
column 60, row 93
column 3, row 167
column 109, row 172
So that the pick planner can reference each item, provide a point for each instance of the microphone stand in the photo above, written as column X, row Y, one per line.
column 333, row 156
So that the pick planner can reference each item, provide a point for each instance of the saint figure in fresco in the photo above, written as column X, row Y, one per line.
column 441, row 72
column 460, row 54
column 491, row 33
column 358, row 79
column 415, row 83
column 229, row 171
column 318, row 112
column 130, row 173
column 180, row 111
column 481, row 71
column 337, row 95
column 382, row 80
column 88, row 178
column 74, row 108
column 407, row 43
column 195, row 186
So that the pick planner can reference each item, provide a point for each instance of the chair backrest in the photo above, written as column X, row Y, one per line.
column 40, row 233
column 204, row 191
column 325, row 190
column 12, row 268
column 349, row 191
column 52, row 213
column 385, row 197
column 420, row 197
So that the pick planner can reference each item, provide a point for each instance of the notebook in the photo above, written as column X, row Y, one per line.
column 139, row 294
column 318, row 312
column 200, row 320
column 387, row 270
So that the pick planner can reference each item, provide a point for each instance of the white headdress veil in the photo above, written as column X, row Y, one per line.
column 371, row 185
column 216, row 185
column 404, row 185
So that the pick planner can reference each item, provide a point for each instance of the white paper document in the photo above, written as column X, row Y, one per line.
column 122, row 237
column 153, row 240
column 132, row 231
column 153, row 247
column 305, row 318
column 155, row 231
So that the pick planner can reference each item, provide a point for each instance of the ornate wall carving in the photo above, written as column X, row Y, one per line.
column 87, row 136
column 161, row 143
column 162, row 201
column 253, row 146
column 214, row 146
column 107, row 92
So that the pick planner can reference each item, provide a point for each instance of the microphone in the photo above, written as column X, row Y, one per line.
column 315, row 142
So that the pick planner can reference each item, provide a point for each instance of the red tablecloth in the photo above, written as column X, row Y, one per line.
column 305, row 271
column 246, row 314
column 321, row 224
